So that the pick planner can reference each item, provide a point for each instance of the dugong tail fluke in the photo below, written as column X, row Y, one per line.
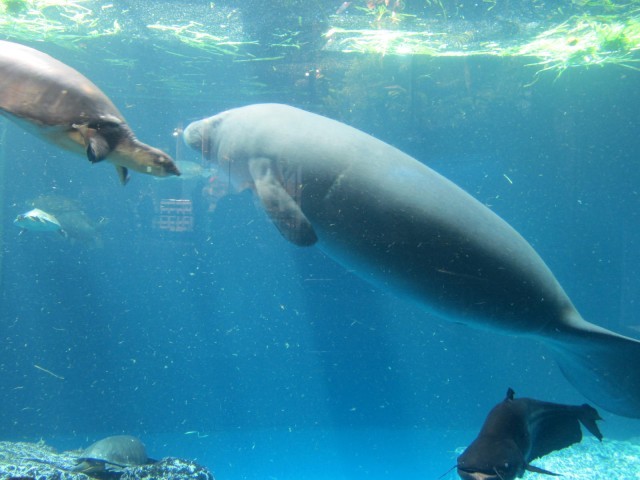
column 403, row 227
column 602, row 365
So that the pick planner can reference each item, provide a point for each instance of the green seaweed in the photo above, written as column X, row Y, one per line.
column 14, row 7
column 593, row 32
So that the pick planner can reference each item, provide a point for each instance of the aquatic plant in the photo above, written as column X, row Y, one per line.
column 383, row 41
column 592, row 32
column 385, row 11
column 585, row 41
column 440, row 6
column 64, row 22
column 580, row 41
column 195, row 35
column 14, row 7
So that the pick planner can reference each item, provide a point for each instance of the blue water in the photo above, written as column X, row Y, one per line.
column 266, row 361
column 310, row 454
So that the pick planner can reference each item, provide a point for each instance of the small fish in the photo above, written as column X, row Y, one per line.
column 38, row 221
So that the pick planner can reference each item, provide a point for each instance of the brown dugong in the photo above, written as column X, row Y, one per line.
column 59, row 105
column 404, row 227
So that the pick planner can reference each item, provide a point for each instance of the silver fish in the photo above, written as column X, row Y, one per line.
column 38, row 221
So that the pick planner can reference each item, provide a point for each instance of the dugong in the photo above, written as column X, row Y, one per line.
column 60, row 105
column 404, row 227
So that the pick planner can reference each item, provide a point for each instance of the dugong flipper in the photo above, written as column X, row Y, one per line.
column 58, row 104
column 402, row 226
column 281, row 207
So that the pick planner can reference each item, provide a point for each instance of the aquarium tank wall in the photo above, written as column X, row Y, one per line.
column 175, row 309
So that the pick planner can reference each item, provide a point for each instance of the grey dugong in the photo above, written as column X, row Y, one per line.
column 58, row 104
column 404, row 227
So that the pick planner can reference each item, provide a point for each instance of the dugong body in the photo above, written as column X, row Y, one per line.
column 402, row 226
column 58, row 104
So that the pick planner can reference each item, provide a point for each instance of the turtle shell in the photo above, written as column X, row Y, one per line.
column 119, row 451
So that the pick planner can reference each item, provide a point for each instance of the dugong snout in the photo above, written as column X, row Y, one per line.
column 198, row 136
column 192, row 135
